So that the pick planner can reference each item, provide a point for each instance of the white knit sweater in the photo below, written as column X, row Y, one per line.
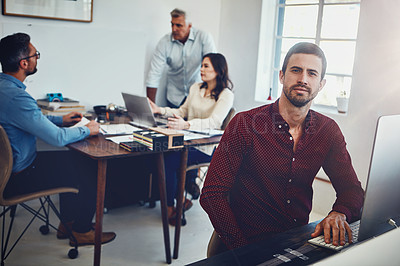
column 201, row 112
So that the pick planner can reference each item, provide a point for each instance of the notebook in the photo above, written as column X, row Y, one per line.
column 139, row 110
column 381, row 210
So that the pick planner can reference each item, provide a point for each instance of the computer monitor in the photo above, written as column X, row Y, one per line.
column 382, row 196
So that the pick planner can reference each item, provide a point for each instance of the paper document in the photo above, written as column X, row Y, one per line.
column 201, row 134
column 119, row 139
column 209, row 132
column 84, row 121
column 117, row 129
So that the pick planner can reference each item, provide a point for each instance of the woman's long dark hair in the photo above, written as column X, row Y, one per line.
column 220, row 66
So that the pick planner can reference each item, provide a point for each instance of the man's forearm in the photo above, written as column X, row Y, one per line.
column 151, row 93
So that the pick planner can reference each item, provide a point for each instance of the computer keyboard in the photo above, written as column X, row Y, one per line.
column 320, row 240
column 161, row 120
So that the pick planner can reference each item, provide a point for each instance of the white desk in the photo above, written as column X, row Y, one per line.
column 382, row 250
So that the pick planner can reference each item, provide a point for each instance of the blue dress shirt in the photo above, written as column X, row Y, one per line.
column 183, row 61
column 23, row 121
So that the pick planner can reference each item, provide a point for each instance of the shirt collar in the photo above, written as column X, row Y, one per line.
column 281, row 124
column 13, row 80
column 191, row 36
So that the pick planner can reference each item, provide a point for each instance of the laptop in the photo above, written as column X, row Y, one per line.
column 139, row 110
column 381, row 210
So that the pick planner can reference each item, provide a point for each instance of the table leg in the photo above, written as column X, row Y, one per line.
column 101, row 187
column 163, row 200
column 179, row 205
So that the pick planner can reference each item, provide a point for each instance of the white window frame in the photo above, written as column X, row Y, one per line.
column 266, row 67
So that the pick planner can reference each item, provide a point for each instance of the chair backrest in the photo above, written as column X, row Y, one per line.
column 6, row 164
column 228, row 118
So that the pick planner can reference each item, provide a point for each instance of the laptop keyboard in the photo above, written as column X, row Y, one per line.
column 161, row 120
column 320, row 240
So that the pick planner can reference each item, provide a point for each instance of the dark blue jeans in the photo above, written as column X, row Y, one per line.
column 171, row 161
column 60, row 169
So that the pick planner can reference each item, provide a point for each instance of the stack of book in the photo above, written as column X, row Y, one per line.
column 60, row 108
column 133, row 146
column 159, row 139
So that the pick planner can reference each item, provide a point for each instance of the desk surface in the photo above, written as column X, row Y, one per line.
column 98, row 148
column 381, row 250
column 287, row 247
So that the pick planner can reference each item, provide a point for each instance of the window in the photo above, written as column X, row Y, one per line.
column 331, row 24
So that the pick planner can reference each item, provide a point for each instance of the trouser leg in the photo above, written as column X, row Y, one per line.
column 61, row 169
column 171, row 164
column 215, row 246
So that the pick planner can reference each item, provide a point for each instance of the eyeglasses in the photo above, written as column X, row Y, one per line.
column 37, row 54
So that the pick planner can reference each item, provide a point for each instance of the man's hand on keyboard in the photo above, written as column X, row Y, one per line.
column 336, row 223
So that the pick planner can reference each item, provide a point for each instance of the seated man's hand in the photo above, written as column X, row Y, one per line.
column 336, row 224
column 94, row 127
column 71, row 118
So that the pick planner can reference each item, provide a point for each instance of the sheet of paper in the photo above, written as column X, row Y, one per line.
column 215, row 132
column 117, row 129
column 207, row 132
column 119, row 139
column 189, row 135
column 84, row 121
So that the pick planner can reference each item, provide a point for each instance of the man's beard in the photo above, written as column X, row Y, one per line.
column 28, row 73
column 296, row 100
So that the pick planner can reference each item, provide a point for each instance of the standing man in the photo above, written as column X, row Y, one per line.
column 260, row 179
column 181, row 51
column 23, row 121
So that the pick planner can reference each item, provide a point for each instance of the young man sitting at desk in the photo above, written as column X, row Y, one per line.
column 23, row 121
column 260, row 179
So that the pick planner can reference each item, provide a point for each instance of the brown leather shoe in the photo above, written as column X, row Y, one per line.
column 171, row 212
column 187, row 204
column 62, row 232
column 88, row 238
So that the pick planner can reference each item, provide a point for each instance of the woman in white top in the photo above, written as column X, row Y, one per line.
column 206, row 107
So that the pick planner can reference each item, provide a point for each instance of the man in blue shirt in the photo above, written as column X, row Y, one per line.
column 23, row 121
column 182, row 51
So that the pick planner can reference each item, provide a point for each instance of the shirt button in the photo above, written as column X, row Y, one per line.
column 280, row 126
column 295, row 219
column 285, row 124
column 288, row 201
column 291, row 138
column 290, row 180
column 293, row 159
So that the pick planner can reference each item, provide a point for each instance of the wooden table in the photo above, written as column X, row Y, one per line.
column 100, row 149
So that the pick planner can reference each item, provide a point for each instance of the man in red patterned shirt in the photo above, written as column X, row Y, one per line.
column 260, row 179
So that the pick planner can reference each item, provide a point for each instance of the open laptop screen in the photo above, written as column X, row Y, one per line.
column 139, row 109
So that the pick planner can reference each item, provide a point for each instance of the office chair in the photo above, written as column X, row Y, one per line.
column 203, row 167
column 10, row 204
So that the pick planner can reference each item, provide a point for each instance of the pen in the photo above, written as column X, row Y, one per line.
column 104, row 131
column 197, row 132
column 75, row 116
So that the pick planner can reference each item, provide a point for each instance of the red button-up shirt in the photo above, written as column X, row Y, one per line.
column 268, row 184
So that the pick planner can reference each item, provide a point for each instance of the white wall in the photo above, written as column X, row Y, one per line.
column 146, row 22
column 239, row 35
